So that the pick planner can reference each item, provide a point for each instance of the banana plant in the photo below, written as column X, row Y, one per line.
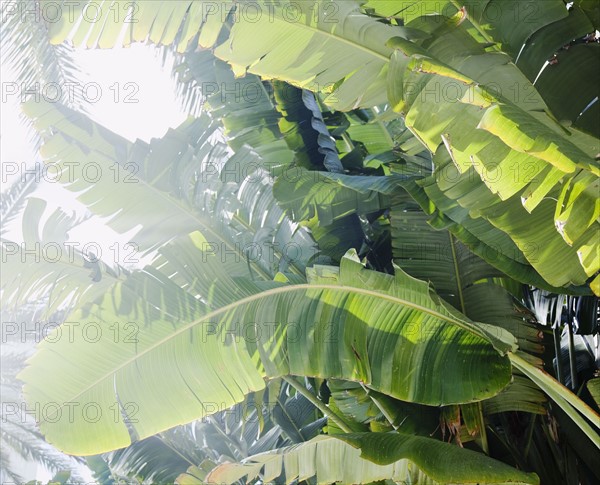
column 202, row 340
column 183, row 194
column 167, row 260
column 524, row 157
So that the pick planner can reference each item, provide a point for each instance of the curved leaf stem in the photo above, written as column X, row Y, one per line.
column 460, row 5
column 321, row 406
column 383, row 411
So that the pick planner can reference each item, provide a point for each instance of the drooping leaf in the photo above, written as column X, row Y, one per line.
column 367, row 407
column 369, row 457
column 348, row 323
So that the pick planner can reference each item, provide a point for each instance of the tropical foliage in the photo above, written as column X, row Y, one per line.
column 359, row 267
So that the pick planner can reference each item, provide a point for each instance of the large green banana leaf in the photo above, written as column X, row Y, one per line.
column 192, row 357
column 531, row 35
column 458, row 275
column 365, row 458
column 330, row 47
column 489, row 137
column 534, row 235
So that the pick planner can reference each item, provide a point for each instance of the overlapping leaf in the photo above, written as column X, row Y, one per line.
column 366, row 458
column 187, row 180
column 457, row 70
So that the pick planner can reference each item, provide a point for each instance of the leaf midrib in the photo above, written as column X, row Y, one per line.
column 272, row 292
column 457, row 273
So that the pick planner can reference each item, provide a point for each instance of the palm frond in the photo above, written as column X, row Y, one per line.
column 14, row 198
